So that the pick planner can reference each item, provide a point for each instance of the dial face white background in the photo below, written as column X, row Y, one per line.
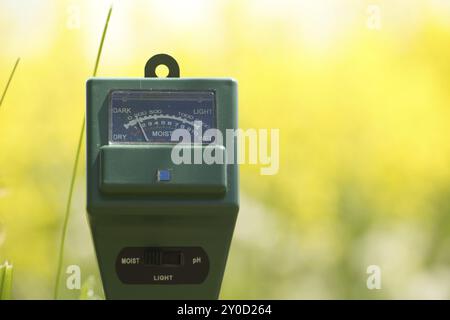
column 146, row 116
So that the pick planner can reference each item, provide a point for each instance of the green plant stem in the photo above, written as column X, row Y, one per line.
column 9, row 81
column 99, row 52
column 75, row 167
column 6, row 275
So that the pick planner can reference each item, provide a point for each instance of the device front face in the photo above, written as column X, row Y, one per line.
column 161, row 229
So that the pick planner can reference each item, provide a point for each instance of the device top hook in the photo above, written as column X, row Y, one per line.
column 162, row 59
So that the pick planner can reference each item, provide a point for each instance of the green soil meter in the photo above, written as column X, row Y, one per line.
column 161, row 229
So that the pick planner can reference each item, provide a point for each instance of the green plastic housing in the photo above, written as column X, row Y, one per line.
column 127, row 208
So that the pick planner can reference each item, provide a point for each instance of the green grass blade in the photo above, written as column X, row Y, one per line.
column 100, row 49
column 9, row 81
column 75, row 167
column 2, row 275
column 6, row 284
column 6, row 269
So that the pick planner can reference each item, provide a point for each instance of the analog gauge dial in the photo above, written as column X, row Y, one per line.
column 147, row 116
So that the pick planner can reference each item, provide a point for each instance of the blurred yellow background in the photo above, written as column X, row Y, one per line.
column 359, row 90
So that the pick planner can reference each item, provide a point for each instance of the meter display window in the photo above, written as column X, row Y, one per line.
column 148, row 116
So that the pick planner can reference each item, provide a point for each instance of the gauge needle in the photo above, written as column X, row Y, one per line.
column 142, row 129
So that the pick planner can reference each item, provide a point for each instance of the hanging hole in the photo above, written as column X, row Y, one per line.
column 162, row 71
column 159, row 61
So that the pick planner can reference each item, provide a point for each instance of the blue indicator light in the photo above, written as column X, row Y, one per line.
column 163, row 175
